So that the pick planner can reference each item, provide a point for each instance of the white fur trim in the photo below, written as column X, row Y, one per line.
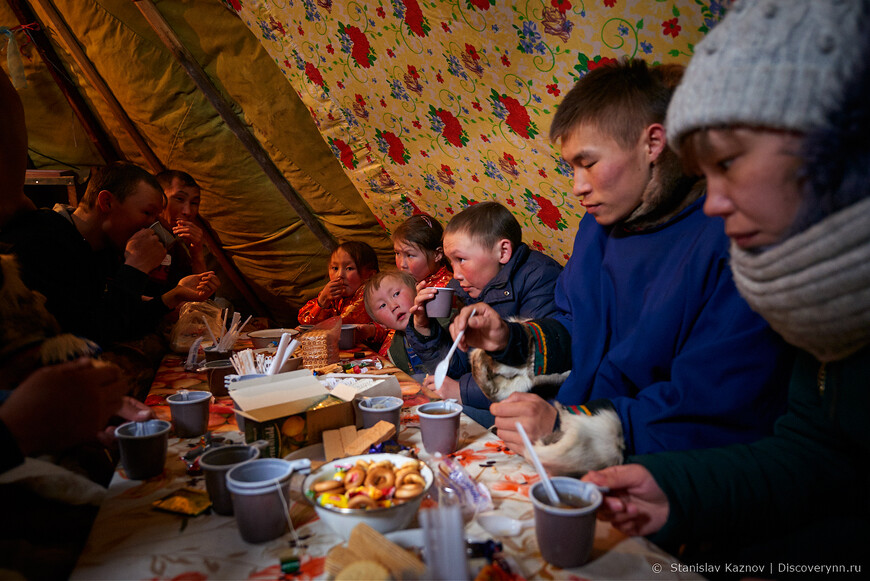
column 498, row 381
column 582, row 442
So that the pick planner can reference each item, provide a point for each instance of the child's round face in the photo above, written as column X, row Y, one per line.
column 752, row 182
column 342, row 267
column 414, row 260
column 608, row 180
column 391, row 304
column 473, row 264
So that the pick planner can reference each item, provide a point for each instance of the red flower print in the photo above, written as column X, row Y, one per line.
column 393, row 211
column 466, row 457
column 518, row 118
column 476, row 105
column 396, row 149
column 345, row 153
column 472, row 52
column 610, row 3
column 414, row 18
column 359, row 99
column 390, row 53
column 439, row 78
column 452, row 130
column 481, row 4
column 381, row 12
column 424, row 153
column 313, row 74
column 449, row 210
column 474, row 179
column 521, row 484
column 339, row 84
column 236, row 5
column 330, row 49
column 287, row 64
column 446, row 169
column 361, row 46
column 553, row 89
column 601, row 62
column 542, row 172
column 484, row 138
column 300, row 31
column 509, row 158
column 511, row 202
column 566, row 256
column 564, row 6
column 412, row 71
column 536, row 244
column 671, row 27
column 416, row 124
column 505, row 60
column 383, row 103
column 549, row 214
column 445, row 26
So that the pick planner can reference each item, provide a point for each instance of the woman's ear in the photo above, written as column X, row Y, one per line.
column 655, row 141
column 505, row 250
column 438, row 255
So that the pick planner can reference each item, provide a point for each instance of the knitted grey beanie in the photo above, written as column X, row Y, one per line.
column 763, row 66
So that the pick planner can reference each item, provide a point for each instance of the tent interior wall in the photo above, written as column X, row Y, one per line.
column 371, row 111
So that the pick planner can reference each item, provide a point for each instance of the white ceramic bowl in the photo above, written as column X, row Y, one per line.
column 269, row 337
column 383, row 520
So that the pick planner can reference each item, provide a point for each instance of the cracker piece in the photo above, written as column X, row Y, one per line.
column 364, row 571
column 401, row 563
column 332, row 447
column 340, row 557
column 365, row 439
column 348, row 435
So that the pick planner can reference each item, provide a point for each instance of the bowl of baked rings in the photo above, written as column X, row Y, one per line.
column 382, row 490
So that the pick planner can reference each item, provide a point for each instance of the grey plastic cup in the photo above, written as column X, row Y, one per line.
column 566, row 535
column 189, row 411
column 386, row 408
column 260, row 491
column 143, row 447
column 215, row 464
column 439, row 425
column 441, row 303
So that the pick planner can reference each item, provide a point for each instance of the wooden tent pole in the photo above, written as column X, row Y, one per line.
column 97, row 82
column 154, row 163
column 92, row 127
column 198, row 75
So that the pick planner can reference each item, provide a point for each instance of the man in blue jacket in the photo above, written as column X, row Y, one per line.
column 664, row 354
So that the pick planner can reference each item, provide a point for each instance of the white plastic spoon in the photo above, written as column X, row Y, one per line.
column 533, row 456
column 441, row 370
column 499, row 525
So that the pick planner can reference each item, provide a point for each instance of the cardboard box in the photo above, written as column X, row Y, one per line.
column 291, row 410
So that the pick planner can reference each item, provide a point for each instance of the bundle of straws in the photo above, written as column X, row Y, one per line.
column 225, row 339
column 246, row 363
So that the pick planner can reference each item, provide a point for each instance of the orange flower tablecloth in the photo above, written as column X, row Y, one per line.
column 130, row 540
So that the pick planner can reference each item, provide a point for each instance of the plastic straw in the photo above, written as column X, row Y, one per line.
column 276, row 360
column 210, row 334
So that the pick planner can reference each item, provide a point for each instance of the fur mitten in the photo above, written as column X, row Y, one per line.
column 582, row 442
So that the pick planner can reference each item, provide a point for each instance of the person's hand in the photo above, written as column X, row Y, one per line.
column 418, row 310
column 635, row 504
column 196, row 287
column 131, row 410
column 536, row 415
column 190, row 233
column 60, row 406
column 449, row 389
column 144, row 251
column 331, row 292
column 485, row 330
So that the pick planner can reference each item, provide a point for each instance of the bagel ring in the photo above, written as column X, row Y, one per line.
column 413, row 478
column 380, row 477
column 362, row 501
column 328, row 485
column 354, row 477
column 407, row 491
column 402, row 472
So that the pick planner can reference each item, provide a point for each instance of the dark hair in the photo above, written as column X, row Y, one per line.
column 423, row 232
column 619, row 99
column 168, row 176
column 120, row 178
column 487, row 223
column 362, row 254
column 374, row 283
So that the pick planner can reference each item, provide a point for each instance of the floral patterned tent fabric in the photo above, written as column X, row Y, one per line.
column 432, row 106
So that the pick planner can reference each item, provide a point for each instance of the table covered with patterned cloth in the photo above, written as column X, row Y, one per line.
column 131, row 540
